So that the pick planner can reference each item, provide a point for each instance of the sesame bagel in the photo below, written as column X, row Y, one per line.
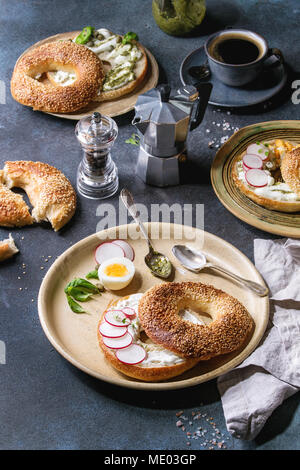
column 150, row 370
column 49, row 191
column 290, row 170
column 62, row 55
column 159, row 314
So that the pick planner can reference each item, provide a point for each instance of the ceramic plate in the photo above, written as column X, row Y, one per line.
column 75, row 335
column 279, row 223
column 114, row 107
column 265, row 87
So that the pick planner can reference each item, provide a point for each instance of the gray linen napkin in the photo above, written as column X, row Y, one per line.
column 252, row 391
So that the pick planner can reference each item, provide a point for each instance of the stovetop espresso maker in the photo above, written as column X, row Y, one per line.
column 163, row 119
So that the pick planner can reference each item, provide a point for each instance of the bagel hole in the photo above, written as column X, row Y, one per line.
column 197, row 313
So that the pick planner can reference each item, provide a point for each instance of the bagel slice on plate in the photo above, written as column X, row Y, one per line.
column 124, row 61
column 266, row 172
column 130, row 351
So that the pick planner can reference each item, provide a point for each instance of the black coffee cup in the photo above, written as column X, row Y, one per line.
column 237, row 56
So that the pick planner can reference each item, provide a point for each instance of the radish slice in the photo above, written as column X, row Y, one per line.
column 134, row 354
column 128, row 250
column 108, row 250
column 258, row 149
column 257, row 178
column 110, row 331
column 252, row 161
column 118, row 343
column 116, row 318
column 129, row 312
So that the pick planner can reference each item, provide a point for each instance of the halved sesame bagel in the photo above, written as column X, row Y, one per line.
column 159, row 311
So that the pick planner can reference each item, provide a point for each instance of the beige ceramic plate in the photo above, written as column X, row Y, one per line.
column 279, row 223
column 114, row 107
column 75, row 335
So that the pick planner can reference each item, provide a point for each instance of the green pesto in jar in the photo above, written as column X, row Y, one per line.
column 178, row 17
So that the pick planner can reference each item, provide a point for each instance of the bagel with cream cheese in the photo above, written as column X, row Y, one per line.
column 63, row 55
column 127, row 62
column 280, row 191
column 159, row 310
column 158, row 364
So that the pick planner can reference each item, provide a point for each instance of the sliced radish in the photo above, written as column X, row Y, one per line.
column 108, row 250
column 129, row 312
column 257, row 178
column 134, row 354
column 128, row 250
column 252, row 161
column 118, row 343
column 258, row 149
column 116, row 318
column 110, row 331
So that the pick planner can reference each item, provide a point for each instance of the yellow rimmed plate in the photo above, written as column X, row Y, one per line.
column 75, row 335
column 279, row 223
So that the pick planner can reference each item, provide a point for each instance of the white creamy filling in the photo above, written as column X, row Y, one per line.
column 111, row 50
column 156, row 355
column 275, row 191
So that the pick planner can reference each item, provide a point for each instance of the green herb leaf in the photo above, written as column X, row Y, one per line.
column 74, row 306
column 133, row 140
column 78, row 294
column 84, row 285
column 130, row 36
column 92, row 274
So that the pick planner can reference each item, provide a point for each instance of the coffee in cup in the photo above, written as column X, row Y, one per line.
column 237, row 56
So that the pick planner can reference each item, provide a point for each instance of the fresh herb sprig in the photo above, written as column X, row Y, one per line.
column 130, row 36
column 133, row 140
column 80, row 290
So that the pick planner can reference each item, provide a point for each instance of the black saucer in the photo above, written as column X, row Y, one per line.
column 268, row 84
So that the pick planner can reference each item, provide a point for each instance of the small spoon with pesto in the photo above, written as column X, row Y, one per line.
column 159, row 264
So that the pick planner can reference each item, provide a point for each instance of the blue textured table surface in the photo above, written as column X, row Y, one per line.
column 45, row 402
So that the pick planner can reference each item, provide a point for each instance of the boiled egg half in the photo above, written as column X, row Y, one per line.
column 116, row 273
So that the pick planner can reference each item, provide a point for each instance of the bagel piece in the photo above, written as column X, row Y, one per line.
column 7, row 248
column 14, row 212
column 160, row 363
column 279, row 194
column 62, row 55
column 49, row 191
column 290, row 169
column 107, row 46
column 159, row 310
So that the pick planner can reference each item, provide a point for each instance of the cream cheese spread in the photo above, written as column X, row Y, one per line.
column 157, row 356
column 275, row 191
column 109, row 48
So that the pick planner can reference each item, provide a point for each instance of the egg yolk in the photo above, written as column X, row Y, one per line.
column 115, row 270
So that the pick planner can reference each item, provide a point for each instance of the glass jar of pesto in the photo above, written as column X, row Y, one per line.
column 178, row 17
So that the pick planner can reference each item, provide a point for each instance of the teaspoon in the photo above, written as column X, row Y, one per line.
column 196, row 261
column 159, row 264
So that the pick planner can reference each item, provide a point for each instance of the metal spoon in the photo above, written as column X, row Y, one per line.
column 153, row 259
column 196, row 261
